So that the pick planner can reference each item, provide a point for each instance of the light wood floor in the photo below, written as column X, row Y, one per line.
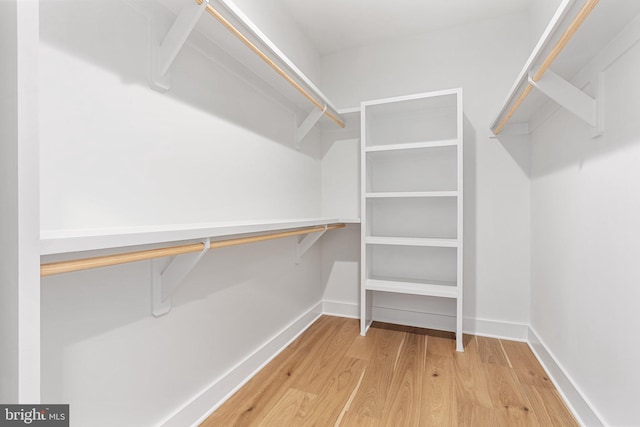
column 395, row 376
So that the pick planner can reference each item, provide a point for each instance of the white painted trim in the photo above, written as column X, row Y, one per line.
column 574, row 398
column 341, row 309
column 496, row 329
column 198, row 408
column 482, row 327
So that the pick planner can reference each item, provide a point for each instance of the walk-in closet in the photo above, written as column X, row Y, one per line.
column 291, row 213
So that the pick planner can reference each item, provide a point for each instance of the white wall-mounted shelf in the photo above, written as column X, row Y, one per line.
column 410, row 194
column 251, row 48
column 67, row 241
column 412, row 146
column 412, row 241
column 585, row 40
column 433, row 288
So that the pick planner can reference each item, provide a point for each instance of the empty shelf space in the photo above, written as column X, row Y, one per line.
column 409, row 194
column 434, row 288
column 412, row 241
column 412, row 145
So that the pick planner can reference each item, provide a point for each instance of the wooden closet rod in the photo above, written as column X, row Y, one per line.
column 229, row 26
column 107, row 260
column 560, row 45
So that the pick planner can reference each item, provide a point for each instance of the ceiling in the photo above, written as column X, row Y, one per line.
column 334, row 25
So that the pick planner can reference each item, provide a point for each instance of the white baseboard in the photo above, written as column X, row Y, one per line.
column 571, row 394
column 341, row 309
column 483, row 327
column 418, row 319
column 496, row 329
column 197, row 409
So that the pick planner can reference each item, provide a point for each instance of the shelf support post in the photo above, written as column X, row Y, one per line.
column 163, row 55
column 166, row 279
column 307, row 242
column 568, row 96
column 308, row 124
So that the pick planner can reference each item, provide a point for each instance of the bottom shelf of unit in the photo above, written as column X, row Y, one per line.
column 433, row 288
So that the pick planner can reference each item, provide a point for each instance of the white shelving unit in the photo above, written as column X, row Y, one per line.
column 411, row 199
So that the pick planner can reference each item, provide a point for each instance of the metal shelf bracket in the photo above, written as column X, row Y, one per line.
column 166, row 278
column 307, row 242
column 163, row 55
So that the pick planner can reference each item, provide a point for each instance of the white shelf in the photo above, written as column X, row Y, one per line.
column 411, row 145
column 66, row 241
column 410, row 194
column 604, row 23
column 412, row 241
column 434, row 288
column 215, row 41
column 349, row 220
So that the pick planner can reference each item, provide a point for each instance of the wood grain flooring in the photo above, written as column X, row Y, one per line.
column 395, row 376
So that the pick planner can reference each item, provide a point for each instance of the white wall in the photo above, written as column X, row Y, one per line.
column 540, row 13
column 19, row 233
column 483, row 59
column 116, row 153
column 586, row 223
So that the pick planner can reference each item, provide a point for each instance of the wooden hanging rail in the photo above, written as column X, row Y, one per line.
column 233, row 30
column 108, row 260
column 559, row 46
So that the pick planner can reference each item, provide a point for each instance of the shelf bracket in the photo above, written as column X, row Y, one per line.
column 163, row 55
column 308, row 124
column 307, row 242
column 166, row 278
column 569, row 97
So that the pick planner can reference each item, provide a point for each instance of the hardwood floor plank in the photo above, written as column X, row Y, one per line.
column 491, row 351
column 327, row 358
column 353, row 419
column 549, row 407
column 439, row 400
column 525, row 364
column 402, row 406
column 289, row 410
column 372, row 395
column 509, row 400
column 363, row 347
column 335, row 395
column 441, row 346
column 470, row 414
column 471, row 382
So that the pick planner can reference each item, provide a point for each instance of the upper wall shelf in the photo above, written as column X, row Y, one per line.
column 67, row 241
column 234, row 33
column 576, row 33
